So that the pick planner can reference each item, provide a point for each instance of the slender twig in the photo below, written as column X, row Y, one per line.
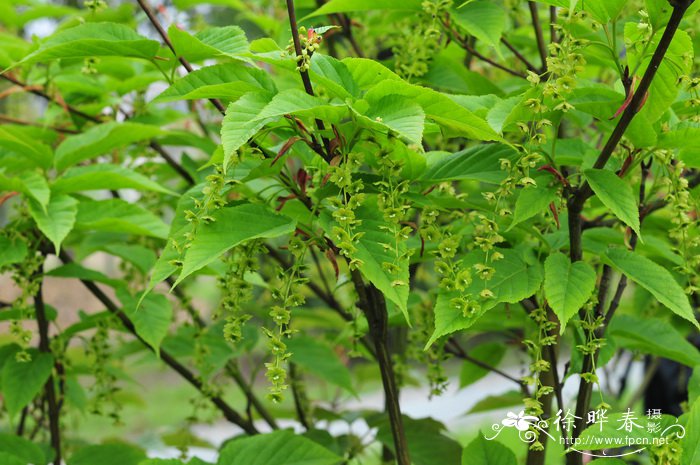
column 231, row 368
column 50, row 387
column 640, row 94
column 96, row 119
column 541, row 46
column 453, row 347
column 300, row 400
column 164, row 35
column 305, row 79
column 229, row 413
column 464, row 43
column 519, row 55
column 21, row 122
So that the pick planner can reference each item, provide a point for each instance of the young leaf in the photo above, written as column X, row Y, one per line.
column 483, row 452
column 655, row 279
column 241, row 122
column 452, row 117
column 279, row 448
column 94, row 40
column 398, row 114
column 482, row 19
column 615, row 194
column 100, row 140
column 151, row 319
column 213, row 42
column 57, row 220
column 567, row 286
column 479, row 163
column 228, row 81
column 229, row 227
column 530, row 202
column 22, row 381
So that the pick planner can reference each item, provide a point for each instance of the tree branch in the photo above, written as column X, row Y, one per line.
column 229, row 413
column 372, row 303
column 164, row 35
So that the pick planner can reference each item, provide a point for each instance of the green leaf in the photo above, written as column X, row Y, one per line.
column 655, row 279
column 484, row 452
column 104, row 176
column 30, row 183
column 514, row 279
column 456, row 120
column 278, row 448
column 530, row 202
column 604, row 11
column 319, row 359
column 117, row 215
column 151, row 319
column 107, row 454
column 241, row 122
column 213, row 42
column 615, row 194
column 653, row 336
column 298, row 102
column 398, row 114
column 567, row 286
column 367, row 73
column 22, row 381
column 57, row 220
column 231, row 226
column 491, row 353
column 10, row 459
column 346, row 6
column 690, row 444
column 479, row 163
column 94, row 40
column 334, row 75
column 12, row 251
column 683, row 135
column 498, row 402
column 427, row 445
column 13, row 140
column 100, row 140
column 482, row 19
column 21, row 448
column 228, row 81
column 372, row 254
